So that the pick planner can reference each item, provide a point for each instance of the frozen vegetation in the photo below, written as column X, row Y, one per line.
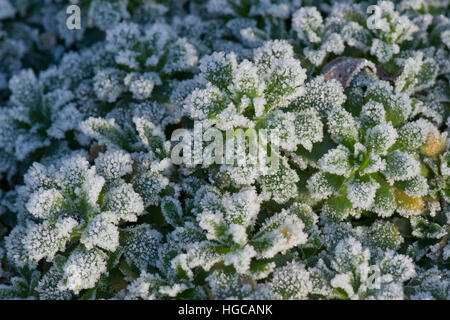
column 93, row 205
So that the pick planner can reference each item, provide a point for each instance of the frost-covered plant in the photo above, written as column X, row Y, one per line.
column 35, row 117
column 251, row 96
column 351, row 273
column 240, row 25
column 73, row 212
column 332, row 180
column 356, row 28
column 377, row 145
column 144, row 59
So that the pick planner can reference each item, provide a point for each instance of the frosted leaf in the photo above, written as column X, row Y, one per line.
column 446, row 252
column 89, row 192
column 141, row 85
column 73, row 172
column 425, row 229
column 343, row 282
column 124, row 201
column 279, row 233
column 375, row 164
column 397, row 106
column 308, row 24
column 342, row 126
column 38, row 176
column 246, row 81
column 306, row 214
column 74, row 68
column 6, row 10
column 272, row 52
column 229, row 285
column 183, row 89
column 361, row 192
column 145, row 287
column 430, row 284
column 291, row 282
column 106, row 14
column 64, row 120
column 321, row 95
column 308, row 128
column 408, row 206
column 156, row 113
column 46, row 203
column 348, row 255
column 209, row 198
column 229, row 118
column 172, row 211
column 282, row 125
column 401, row 166
column 242, row 207
column 384, row 203
column 385, row 235
column 356, row 35
column 418, row 74
column 151, row 136
column 381, row 137
column 44, row 240
column 186, row 235
column 337, row 161
column 47, row 287
column 241, row 174
column 391, row 26
column 445, row 163
column 383, row 51
column 15, row 249
column 283, row 81
column 140, row 245
column 119, row 39
column 26, row 144
column 149, row 185
column 173, row 290
column 218, row 68
column 101, row 232
column 108, row 84
column 203, row 254
column 215, row 227
column 7, row 131
column 206, row 103
column 412, row 135
column 334, row 44
column 113, row 164
column 280, row 185
column 26, row 89
column 226, row 284
column 400, row 267
column 83, row 269
column 316, row 57
column 238, row 234
column 105, row 131
column 415, row 187
column 240, row 258
column 181, row 56
column 322, row 185
column 337, row 208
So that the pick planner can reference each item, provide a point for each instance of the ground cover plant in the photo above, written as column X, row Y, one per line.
column 224, row 149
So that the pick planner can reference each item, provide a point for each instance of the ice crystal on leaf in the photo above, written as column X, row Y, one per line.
column 332, row 180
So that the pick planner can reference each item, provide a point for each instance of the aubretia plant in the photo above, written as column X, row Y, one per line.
column 212, row 149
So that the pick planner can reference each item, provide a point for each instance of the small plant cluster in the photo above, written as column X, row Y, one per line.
column 93, row 205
